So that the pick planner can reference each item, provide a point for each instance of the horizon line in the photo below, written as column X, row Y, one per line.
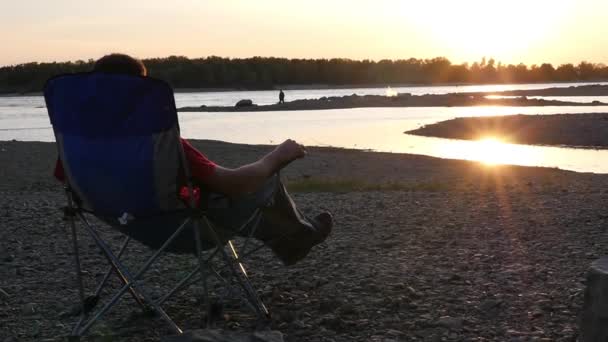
column 487, row 59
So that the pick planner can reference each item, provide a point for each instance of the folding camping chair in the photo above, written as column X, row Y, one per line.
column 119, row 144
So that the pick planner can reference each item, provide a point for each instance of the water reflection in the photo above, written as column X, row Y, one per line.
column 262, row 97
column 379, row 129
column 491, row 151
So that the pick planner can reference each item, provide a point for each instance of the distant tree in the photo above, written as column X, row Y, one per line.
column 547, row 72
column 566, row 72
column 265, row 73
column 585, row 71
column 489, row 73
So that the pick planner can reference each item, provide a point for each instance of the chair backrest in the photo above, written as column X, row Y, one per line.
column 118, row 141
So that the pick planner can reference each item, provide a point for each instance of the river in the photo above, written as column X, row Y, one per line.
column 378, row 129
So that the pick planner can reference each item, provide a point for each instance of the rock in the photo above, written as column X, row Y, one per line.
column 452, row 323
column 28, row 309
column 490, row 304
column 393, row 332
column 327, row 306
column 216, row 335
column 299, row 324
column 4, row 296
column 267, row 336
column 5, row 256
column 347, row 309
column 333, row 323
column 594, row 319
column 412, row 292
column 244, row 103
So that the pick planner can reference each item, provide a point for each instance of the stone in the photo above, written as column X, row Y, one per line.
column 452, row 323
column 393, row 332
column 28, row 309
column 4, row 296
column 267, row 336
column 217, row 335
column 327, row 306
column 593, row 323
column 490, row 304
column 5, row 256
column 244, row 103
column 347, row 309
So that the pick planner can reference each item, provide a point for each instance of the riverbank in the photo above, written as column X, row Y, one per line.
column 400, row 100
column 574, row 130
column 504, row 259
column 586, row 90
column 326, row 87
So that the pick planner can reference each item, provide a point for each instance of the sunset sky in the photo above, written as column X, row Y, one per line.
column 528, row 31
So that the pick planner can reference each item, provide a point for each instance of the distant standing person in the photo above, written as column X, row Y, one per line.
column 281, row 96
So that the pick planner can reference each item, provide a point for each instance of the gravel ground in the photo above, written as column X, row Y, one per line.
column 488, row 254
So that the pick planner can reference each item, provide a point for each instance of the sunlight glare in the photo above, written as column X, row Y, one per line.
column 472, row 29
column 490, row 151
column 390, row 92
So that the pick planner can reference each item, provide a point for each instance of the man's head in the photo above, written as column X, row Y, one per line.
column 118, row 63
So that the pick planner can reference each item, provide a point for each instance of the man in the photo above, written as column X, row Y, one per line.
column 281, row 96
column 232, row 194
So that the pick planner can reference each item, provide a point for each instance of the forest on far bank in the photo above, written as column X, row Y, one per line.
column 270, row 72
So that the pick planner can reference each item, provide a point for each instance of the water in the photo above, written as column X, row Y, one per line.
column 379, row 129
column 266, row 97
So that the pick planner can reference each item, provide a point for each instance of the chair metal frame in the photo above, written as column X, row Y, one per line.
column 132, row 282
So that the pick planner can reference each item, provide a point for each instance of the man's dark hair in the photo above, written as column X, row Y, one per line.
column 118, row 63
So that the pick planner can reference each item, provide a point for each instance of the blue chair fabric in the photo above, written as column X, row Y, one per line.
column 117, row 138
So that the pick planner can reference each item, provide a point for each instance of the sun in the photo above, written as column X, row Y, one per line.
column 489, row 150
column 504, row 30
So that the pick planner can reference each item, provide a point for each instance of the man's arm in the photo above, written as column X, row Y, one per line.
column 248, row 178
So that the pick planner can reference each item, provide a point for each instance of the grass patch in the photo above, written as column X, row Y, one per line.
column 341, row 186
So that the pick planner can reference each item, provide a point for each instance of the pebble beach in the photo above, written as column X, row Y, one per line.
column 423, row 249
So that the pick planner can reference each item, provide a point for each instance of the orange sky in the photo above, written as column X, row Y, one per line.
column 529, row 31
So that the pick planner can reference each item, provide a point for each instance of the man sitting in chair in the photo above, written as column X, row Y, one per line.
column 230, row 196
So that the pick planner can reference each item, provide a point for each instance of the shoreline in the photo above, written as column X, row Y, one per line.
column 401, row 100
column 557, row 130
column 333, row 86
column 586, row 90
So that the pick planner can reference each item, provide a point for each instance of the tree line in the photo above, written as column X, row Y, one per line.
column 270, row 72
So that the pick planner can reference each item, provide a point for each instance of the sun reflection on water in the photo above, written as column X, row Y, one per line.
column 492, row 151
column 390, row 92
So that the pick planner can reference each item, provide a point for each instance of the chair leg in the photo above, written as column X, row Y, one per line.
column 121, row 276
column 71, row 213
column 131, row 284
column 255, row 222
column 242, row 278
column 131, row 281
column 252, row 294
column 203, row 271
column 182, row 284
